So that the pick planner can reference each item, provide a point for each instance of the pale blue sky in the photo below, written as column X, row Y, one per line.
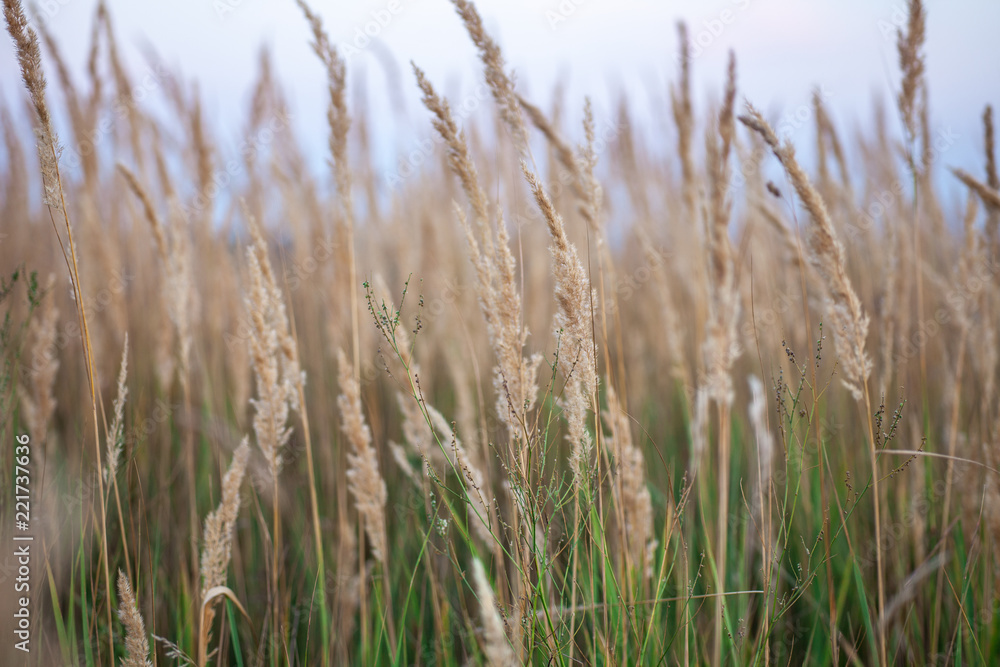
column 604, row 47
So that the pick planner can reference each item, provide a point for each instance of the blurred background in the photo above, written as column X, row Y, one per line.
column 599, row 48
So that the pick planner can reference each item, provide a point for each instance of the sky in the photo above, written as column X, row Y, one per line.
column 597, row 48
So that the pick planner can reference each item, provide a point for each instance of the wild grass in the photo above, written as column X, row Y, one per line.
column 558, row 396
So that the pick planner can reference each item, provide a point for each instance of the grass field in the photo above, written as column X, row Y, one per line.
column 562, row 395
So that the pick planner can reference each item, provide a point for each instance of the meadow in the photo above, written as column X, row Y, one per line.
column 562, row 394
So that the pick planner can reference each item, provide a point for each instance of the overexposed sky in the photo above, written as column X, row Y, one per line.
column 600, row 48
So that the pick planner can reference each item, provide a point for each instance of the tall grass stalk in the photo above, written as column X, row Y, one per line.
column 29, row 62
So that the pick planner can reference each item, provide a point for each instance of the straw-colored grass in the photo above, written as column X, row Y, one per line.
column 619, row 397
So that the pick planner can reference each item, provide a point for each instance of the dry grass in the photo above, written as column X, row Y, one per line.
column 591, row 415
column 136, row 642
